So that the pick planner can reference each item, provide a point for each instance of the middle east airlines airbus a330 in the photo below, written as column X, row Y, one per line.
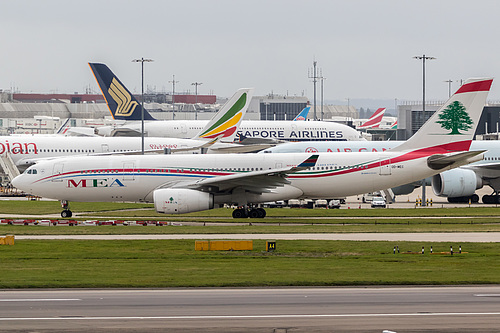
column 187, row 183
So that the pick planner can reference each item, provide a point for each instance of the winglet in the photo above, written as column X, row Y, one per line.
column 309, row 162
column 121, row 102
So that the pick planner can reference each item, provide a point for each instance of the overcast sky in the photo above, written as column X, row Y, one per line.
column 363, row 47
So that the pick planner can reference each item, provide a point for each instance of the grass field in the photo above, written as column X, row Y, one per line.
column 175, row 263
column 231, row 228
column 133, row 210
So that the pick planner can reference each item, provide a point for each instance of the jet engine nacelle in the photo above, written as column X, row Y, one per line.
column 456, row 183
column 179, row 201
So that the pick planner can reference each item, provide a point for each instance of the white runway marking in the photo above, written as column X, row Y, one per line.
column 39, row 299
column 263, row 316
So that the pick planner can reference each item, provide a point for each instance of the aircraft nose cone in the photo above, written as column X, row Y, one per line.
column 17, row 182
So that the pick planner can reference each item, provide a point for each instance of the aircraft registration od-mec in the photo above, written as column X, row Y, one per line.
column 123, row 106
column 187, row 183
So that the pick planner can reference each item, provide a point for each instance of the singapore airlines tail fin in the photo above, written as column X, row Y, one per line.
column 303, row 114
column 121, row 103
column 226, row 121
column 375, row 119
column 452, row 127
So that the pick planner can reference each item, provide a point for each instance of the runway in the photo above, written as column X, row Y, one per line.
column 479, row 237
column 402, row 309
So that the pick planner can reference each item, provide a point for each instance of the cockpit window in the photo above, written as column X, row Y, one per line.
column 31, row 171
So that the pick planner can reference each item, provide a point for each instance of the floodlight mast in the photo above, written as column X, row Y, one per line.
column 142, row 61
column 423, row 58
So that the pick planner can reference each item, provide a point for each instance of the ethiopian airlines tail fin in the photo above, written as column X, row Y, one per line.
column 225, row 123
column 303, row 114
column 452, row 127
column 121, row 103
column 375, row 120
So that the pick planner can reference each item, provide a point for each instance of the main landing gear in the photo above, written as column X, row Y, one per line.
column 491, row 199
column 252, row 212
column 66, row 212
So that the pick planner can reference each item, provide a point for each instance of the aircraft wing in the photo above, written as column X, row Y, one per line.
column 252, row 141
column 486, row 171
column 254, row 181
column 237, row 148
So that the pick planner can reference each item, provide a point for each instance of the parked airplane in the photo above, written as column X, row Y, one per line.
column 188, row 183
column 458, row 185
column 123, row 106
column 374, row 121
column 302, row 116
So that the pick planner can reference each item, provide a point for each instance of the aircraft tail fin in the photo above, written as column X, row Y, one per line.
column 375, row 120
column 227, row 120
column 64, row 127
column 452, row 127
column 303, row 114
column 121, row 102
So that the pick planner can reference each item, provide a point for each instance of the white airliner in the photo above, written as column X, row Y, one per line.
column 458, row 185
column 123, row 106
column 188, row 183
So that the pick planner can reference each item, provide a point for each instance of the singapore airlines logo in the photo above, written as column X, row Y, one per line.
column 124, row 100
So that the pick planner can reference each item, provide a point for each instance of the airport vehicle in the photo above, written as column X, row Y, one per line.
column 375, row 120
column 334, row 204
column 378, row 202
column 123, row 106
column 187, row 183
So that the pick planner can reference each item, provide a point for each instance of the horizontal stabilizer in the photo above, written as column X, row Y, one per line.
column 438, row 162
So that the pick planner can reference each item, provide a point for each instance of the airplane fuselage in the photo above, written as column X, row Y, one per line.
column 129, row 178
column 491, row 154
column 280, row 130
column 24, row 150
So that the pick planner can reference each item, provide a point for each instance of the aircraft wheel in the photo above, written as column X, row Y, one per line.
column 474, row 198
column 239, row 213
column 486, row 199
column 262, row 212
column 254, row 214
column 66, row 213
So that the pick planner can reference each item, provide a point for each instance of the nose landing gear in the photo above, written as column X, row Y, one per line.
column 66, row 212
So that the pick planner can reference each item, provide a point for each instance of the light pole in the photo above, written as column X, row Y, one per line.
column 173, row 95
column 449, row 87
column 315, row 79
column 322, row 78
column 423, row 58
column 142, row 61
column 196, row 84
